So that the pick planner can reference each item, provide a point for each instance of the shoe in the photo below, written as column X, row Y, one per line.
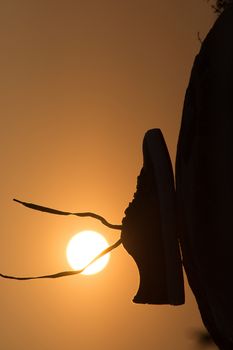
column 149, row 227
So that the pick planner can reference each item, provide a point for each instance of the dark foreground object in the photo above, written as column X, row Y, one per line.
column 149, row 227
column 204, row 181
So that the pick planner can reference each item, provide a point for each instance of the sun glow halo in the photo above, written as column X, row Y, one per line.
column 85, row 246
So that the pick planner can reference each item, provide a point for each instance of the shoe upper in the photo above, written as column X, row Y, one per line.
column 144, row 235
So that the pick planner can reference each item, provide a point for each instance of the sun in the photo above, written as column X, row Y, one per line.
column 85, row 246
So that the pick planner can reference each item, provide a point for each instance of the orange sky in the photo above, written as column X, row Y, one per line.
column 81, row 82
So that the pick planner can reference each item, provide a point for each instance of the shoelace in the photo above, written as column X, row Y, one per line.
column 59, row 212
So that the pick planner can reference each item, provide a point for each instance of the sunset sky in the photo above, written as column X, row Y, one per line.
column 81, row 82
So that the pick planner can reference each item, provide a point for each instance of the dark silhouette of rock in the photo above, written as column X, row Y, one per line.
column 204, row 180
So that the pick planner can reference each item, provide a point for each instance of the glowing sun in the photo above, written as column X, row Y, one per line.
column 85, row 246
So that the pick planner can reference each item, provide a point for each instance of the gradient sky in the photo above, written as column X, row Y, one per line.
column 81, row 82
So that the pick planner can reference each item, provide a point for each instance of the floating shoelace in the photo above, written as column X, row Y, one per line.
column 59, row 212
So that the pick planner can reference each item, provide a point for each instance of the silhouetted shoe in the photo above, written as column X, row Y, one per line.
column 149, row 227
